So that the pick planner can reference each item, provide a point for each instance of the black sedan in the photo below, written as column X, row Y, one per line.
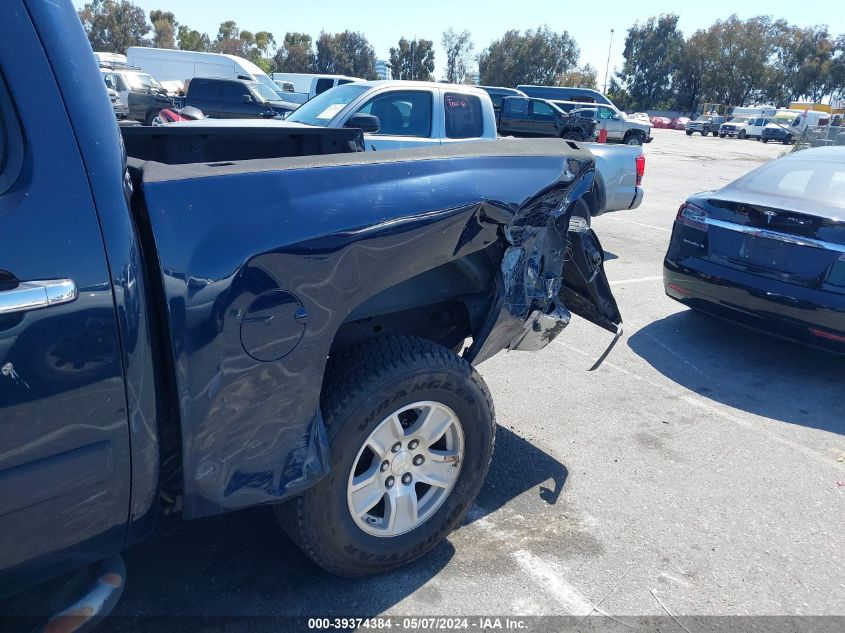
column 768, row 250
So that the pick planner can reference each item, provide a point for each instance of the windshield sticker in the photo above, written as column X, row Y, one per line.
column 329, row 112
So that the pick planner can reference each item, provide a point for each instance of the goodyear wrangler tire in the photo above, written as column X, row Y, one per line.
column 411, row 429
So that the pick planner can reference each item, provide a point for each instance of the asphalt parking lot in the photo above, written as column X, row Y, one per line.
column 698, row 472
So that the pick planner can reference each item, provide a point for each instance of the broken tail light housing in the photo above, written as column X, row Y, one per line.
column 640, row 169
column 692, row 216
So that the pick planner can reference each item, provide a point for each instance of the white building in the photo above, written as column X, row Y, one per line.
column 382, row 69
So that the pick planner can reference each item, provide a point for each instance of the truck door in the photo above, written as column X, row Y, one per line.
column 64, row 436
column 615, row 126
column 543, row 119
column 515, row 118
column 463, row 117
column 118, row 84
column 406, row 120
column 234, row 102
column 206, row 95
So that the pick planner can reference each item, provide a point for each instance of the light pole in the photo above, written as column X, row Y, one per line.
column 607, row 67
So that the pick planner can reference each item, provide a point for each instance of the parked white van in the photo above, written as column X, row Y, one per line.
column 750, row 112
column 110, row 58
column 167, row 64
column 313, row 84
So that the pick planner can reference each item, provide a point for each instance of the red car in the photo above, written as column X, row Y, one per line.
column 680, row 123
column 660, row 121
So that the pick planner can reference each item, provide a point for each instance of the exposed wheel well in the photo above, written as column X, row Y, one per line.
column 445, row 305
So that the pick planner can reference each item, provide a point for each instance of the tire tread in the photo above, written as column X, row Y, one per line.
column 372, row 361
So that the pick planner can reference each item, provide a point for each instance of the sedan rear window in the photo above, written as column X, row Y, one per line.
column 810, row 179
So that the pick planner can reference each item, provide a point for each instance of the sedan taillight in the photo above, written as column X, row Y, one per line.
column 690, row 215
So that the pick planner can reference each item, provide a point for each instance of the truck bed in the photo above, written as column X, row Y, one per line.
column 327, row 239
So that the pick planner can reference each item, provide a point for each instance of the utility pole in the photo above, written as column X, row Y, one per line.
column 607, row 67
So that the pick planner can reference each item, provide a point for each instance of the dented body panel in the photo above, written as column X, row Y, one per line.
column 263, row 251
column 189, row 361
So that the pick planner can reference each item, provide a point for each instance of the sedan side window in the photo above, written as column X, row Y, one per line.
column 406, row 113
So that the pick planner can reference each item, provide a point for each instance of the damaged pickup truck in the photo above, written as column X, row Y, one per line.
column 242, row 316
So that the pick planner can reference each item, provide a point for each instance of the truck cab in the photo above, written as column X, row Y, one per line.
column 410, row 113
column 234, row 99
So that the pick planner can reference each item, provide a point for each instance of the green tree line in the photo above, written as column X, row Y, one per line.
column 536, row 56
column 733, row 62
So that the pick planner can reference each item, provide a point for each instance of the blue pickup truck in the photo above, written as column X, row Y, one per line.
column 196, row 321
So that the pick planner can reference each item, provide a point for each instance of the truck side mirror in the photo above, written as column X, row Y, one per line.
column 367, row 123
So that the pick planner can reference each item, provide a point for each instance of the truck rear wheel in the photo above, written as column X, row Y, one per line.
column 411, row 429
column 151, row 115
column 634, row 138
column 573, row 136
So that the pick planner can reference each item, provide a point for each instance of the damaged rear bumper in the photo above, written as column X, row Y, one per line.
column 548, row 273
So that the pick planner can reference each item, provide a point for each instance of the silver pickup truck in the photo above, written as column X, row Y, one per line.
column 417, row 114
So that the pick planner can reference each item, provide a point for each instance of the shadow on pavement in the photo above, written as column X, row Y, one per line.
column 199, row 574
column 746, row 370
column 208, row 571
column 518, row 466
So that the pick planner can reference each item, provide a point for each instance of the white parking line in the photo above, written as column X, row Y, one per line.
column 637, row 280
column 546, row 576
column 648, row 226
column 541, row 573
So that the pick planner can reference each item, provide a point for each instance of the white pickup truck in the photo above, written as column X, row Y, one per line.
column 417, row 113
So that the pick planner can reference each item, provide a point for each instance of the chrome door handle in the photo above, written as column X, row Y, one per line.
column 32, row 295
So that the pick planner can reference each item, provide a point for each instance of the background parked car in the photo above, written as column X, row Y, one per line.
column 409, row 113
column 737, row 127
column 620, row 128
column 522, row 116
column 679, row 123
column 787, row 126
column 768, row 250
column 754, row 128
column 216, row 98
column 660, row 121
column 705, row 124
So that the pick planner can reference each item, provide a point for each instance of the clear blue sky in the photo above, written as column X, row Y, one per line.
column 589, row 22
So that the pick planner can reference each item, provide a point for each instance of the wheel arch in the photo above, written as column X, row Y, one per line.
column 445, row 304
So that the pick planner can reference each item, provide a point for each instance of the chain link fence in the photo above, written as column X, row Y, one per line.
column 821, row 136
